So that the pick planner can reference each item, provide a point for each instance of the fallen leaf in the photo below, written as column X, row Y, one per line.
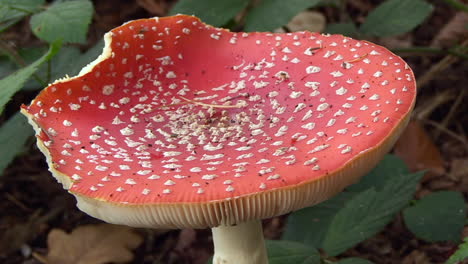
column 307, row 21
column 92, row 244
column 452, row 32
column 459, row 168
column 416, row 257
column 418, row 151
column 154, row 7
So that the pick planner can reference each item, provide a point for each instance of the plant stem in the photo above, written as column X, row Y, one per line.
column 240, row 244
column 456, row 4
column 16, row 58
column 49, row 71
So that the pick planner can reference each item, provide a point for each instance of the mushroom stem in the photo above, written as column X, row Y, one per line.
column 241, row 244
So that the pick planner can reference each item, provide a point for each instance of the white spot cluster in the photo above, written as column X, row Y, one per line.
column 165, row 128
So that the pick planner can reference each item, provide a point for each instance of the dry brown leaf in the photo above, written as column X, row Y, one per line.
column 419, row 152
column 416, row 257
column 307, row 20
column 154, row 7
column 92, row 244
column 459, row 168
column 452, row 32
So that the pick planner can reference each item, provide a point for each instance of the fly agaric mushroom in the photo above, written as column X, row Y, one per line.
column 182, row 125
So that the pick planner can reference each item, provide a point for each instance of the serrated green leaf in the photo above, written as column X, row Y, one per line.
column 346, row 29
column 439, row 216
column 395, row 17
column 391, row 166
column 461, row 253
column 212, row 12
column 310, row 225
column 15, row 81
column 67, row 21
column 30, row 55
column 60, row 65
column 354, row 261
column 86, row 58
column 68, row 61
column 269, row 15
column 6, row 66
column 368, row 212
column 13, row 135
column 12, row 11
column 287, row 252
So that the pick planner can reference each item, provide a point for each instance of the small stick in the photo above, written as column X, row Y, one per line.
column 439, row 67
column 452, row 111
column 40, row 258
column 312, row 50
column 357, row 59
column 447, row 131
column 211, row 105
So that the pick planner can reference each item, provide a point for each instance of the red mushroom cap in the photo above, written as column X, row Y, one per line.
column 180, row 117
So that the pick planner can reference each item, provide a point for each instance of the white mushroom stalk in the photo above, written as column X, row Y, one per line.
column 182, row 125
column 239, row 244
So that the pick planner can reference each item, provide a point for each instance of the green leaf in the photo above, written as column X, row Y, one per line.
column 439, row 216
column 311, row 224
column 287, row 252
column 13, row 135
column 12, row 11
column 6, row 66
column 395, row 17
column 86, row 58
column 354, row 261
column 346, row 29
column 368, row 212
column 212, row 12
column 14, row 82
column 461, row 253
column 30, row 55
column 269, row 15
column 391, row 166
column 67, row 21
column 68, row 61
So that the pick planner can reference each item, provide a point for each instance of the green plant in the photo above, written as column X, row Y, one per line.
column 31, row 68
column 356, row 214
column 334, row 226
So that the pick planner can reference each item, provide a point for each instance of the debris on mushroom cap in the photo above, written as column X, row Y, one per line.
column 177, row 111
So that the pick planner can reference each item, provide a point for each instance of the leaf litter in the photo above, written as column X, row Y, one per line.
column 92, row 244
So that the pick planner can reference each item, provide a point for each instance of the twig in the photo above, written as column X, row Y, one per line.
column 425, row 110
column 211, row 105
column 40, row 258
column 447, row 131
column 18, row 203
column 440, row 66
column 452, row 111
